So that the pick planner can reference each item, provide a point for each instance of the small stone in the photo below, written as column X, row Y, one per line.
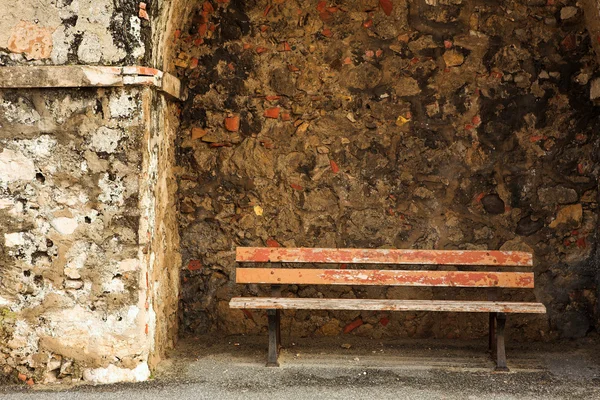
column 595, row 89
column 322, row 150
column 527, row 226
column 570, row 216
column 568, row 12
column 64, row 225
column 73, row 284
column 346, row 345
column 493, row 204
column 232, row 123
column 453, row 58
column 331, row 328
column 350, row 117
column 557, row 195
column 407, row 86
column 516, row 244
column 197, row 133
column 302, row 128
column 258, row 210
column 14, row 166
column 14, row 239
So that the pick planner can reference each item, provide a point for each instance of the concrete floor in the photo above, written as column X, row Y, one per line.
column 233, row 368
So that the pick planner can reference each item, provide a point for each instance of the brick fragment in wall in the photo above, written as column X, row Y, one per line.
column 416, row 142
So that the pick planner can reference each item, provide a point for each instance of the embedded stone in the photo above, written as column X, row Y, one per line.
column 453, row 58
column 493, row 204
column 14, row 239
column 407, row 86
column 331, row 328
column 64, row 225
column 570, row 216
column 568, row 12
column 14, row 166
column 528, row 226
column 557, row 195
column 516, row 244
column 595, row 89
column 106, row 140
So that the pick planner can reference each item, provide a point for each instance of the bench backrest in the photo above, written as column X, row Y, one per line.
column 314, row 276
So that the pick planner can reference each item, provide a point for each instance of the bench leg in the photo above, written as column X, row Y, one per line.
column 492, row 333
column 274, row 337
column 500, row 350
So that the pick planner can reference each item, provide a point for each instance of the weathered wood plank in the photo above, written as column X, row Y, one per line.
column 384, row 256
column 315, row 276
column 387, row 305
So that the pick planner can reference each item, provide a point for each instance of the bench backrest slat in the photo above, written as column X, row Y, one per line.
column 385, row 256
column 297, row 276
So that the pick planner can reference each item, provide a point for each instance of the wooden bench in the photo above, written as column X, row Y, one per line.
column 276, row 276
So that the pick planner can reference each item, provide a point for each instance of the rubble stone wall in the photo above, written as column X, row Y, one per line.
column 70, row 249
column 91, row 32
column 442, row 124
column 89, row 262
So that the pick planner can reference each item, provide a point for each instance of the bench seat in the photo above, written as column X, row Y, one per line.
column 286, row 303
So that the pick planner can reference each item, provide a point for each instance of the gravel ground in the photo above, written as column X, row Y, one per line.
column 233, row 368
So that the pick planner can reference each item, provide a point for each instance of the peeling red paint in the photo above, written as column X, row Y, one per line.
column 384, row 277
column 385, row 256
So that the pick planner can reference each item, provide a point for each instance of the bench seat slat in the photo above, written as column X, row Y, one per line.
column 384, row 304
column 303, row 276
column 384, row 256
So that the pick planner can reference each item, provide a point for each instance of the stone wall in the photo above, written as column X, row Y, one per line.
column 106, row 32
column 70, row 166
column 88, row 241
column 389, row 124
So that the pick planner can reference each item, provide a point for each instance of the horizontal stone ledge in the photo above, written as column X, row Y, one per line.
column 77, row 76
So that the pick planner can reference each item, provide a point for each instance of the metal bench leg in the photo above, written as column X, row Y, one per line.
column 492, row 333
column 500, row 350
column 274, row 338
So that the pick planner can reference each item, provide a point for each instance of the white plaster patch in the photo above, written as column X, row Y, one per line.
column 128, row 265
column 90, row 49
column 112, row 191
column 14, row 239
column 64, row 225
column 6, row 203
column 21, row 112
column 122, row 105
column 4, row 302
column 106, row 140
column 14, row 166
column 114, row 286
column 61, row 40
column 113, row 374
column 136, row 31
column 38, row 147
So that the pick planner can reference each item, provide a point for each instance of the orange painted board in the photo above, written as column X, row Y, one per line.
column 384, row 256
column 313, row 276
column 385, row 305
